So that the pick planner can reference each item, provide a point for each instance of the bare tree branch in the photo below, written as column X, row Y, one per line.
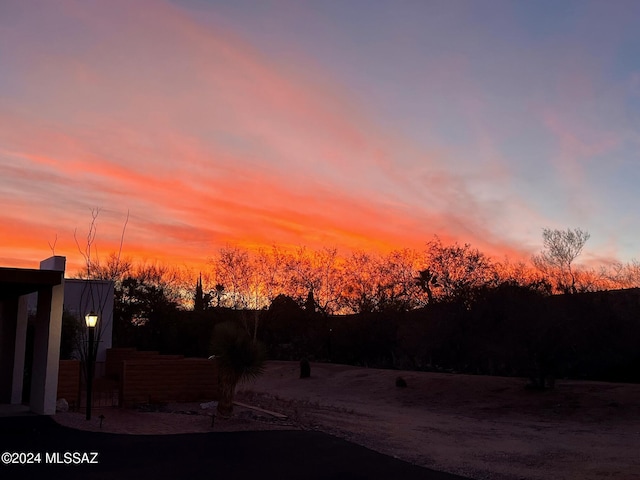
column 53, row 247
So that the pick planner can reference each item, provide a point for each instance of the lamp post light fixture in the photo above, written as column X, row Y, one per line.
column 91, row 319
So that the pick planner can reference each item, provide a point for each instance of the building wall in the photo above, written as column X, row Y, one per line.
column 84, row 296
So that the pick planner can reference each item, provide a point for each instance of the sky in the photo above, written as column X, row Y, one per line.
column 357, row 124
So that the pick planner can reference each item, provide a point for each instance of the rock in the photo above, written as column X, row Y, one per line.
column 62, row 405
column 209, row 405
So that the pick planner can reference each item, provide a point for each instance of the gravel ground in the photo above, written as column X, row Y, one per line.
column 480, row 427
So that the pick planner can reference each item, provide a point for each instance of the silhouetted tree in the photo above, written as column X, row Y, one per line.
column 427, row 280
column 233, row 270
column 219, row 289
column 95, row 298
column 561, row 248
column 198, row 296
column 362, row 277
column 397, row 290
column 310, row 304
column 459, row 270
column 625, row 275
column 319, row 271
column 145, row 300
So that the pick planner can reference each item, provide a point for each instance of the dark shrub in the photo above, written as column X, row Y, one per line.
column 305, row 368
column 401, row 382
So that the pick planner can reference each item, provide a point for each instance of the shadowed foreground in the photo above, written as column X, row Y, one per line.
column 233, row 455
column 474, row 426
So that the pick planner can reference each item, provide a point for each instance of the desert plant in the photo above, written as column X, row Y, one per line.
column 305, row 368
column 401, row 382
column 239, row 358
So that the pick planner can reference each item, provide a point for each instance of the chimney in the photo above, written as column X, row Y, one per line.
column 56, row 263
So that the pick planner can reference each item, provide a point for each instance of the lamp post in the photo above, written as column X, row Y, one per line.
column 91, row 319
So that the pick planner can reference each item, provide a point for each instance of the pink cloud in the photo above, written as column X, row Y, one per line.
column 207, row 141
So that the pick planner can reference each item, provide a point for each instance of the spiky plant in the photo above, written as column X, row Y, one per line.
column 239, row 358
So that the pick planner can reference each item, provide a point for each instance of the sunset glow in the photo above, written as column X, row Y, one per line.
column 359, row 125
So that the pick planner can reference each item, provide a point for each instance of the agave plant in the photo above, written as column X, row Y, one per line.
column 239, row 358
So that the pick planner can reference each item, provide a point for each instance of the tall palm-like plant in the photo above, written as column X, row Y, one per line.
column 239, row 358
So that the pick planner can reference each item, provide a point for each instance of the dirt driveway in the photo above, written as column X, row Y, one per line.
column 482, row 427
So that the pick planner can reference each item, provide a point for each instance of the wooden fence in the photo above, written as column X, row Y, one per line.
column 136, row 377
column 147, row 377
column 69, row 380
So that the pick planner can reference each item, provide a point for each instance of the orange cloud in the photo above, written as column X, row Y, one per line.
column 205, row 141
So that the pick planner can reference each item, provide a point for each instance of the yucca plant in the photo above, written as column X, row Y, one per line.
column 239, row 358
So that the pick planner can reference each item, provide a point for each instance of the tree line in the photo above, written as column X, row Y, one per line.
column 404, row 279
column 360, row 281
column 448, row 307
